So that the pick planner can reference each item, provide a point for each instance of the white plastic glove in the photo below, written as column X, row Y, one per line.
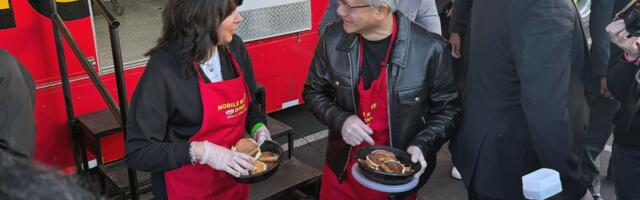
column 224, row 159
column 417, row 156
column 354, row 131
column 262, row 134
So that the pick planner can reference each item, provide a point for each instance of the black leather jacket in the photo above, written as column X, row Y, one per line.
column 423, row 105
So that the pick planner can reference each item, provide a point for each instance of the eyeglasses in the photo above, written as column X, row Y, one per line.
column 349, row 8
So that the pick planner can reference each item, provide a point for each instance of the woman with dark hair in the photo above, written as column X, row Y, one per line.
column 193, row 103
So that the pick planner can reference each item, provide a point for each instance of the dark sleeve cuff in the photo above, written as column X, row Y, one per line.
column 422, row 146
column 181, row 153
column 339, row 122
column 454, row 28
column 255, row 120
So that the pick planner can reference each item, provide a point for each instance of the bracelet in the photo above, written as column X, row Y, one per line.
column 192, row 146
column 205, row 157
column 255, row 128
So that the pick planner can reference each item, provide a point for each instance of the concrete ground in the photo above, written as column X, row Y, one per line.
column 311, row 136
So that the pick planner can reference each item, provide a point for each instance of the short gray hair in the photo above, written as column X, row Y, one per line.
column 393, row 6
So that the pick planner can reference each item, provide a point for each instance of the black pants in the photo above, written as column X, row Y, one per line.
column 625, row 164
column 600, row 127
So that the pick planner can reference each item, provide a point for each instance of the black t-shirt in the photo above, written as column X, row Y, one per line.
column 373, row 52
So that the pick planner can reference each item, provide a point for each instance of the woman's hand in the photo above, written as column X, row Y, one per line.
column 223, row 159
column 262, row 134
column 618, row 35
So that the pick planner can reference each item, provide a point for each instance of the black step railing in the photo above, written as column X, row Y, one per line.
column 120, row 113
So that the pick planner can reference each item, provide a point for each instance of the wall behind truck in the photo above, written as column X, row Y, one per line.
column 280, row 63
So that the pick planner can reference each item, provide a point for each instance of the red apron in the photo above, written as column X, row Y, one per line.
column 225, row 106
column 372, row 110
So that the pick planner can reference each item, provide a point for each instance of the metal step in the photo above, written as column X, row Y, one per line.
column 146, row 196
column 100, row 123
column 116, row 177
column 277, row 128
column 93, row 127
column 293, row 173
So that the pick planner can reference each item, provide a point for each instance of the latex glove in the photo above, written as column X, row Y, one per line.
column 354, row 131
column 262, row 134
column 455, row 41
column 224, row 159
column 618, row 35
column 417, row 156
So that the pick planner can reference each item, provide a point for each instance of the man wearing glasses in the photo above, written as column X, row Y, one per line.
column 423, row 12
column 377, row 78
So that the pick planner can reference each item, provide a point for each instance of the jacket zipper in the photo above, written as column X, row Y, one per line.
column 355, row 107
column 388, row 107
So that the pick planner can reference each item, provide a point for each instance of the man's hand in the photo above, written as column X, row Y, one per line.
column 417, row 156
column 262, row 134
column 455, row 41
column 604, row 89
column 354, row 131
column 618, row 35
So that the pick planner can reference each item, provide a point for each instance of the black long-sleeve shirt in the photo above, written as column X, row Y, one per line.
column 621, row 77
column 166, row 110
column 460, row 16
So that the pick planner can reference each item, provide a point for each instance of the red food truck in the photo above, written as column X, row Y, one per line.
column 280, row 36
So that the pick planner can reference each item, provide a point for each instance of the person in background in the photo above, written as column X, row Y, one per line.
column 23, row 179
column 624, row 83
column 17, row 105
column 459, row 26
column 195, row 100
column 378, row 78
column 524, row 102
column 424, row 12
column 602, row 106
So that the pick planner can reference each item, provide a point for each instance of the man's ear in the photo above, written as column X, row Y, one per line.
column 382, row 11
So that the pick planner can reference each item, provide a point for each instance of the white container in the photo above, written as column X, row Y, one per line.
column 541, row 184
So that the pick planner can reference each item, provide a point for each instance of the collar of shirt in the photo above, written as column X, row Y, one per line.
column 212, row 68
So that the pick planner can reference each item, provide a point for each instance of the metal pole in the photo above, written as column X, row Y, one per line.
column 122, row 98
column 64, row 78
column 88, row 68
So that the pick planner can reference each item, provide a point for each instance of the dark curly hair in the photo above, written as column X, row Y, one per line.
column 193, row 25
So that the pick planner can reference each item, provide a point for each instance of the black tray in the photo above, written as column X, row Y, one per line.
column 272, row 147
column 385, row 177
